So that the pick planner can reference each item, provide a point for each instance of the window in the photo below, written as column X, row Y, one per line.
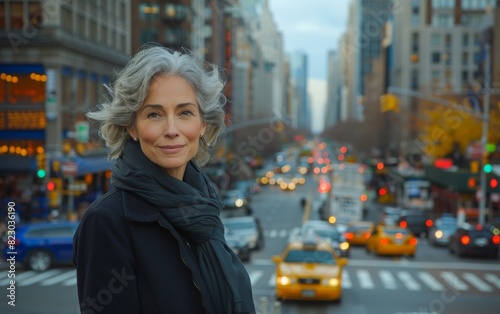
column 442, row 20
column 443, row 4
column 448, row 40
column 436, row 57
column 16, row 15
column 465, row 40
column 149, row 12
column 447, row 58
column 465, row 76
column 414, row 79
column 148, row 35
column 465, row 58
column 435, row 76
column 436, row 40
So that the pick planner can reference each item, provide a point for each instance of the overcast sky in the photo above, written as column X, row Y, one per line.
column 315, row 27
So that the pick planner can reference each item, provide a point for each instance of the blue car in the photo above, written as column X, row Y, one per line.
column 39, row 246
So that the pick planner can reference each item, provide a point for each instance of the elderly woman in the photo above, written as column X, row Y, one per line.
column 155, row 243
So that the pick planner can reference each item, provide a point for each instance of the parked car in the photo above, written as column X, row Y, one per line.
column 248, row 226
column 441, row 230
column 390, row 215
column 392, row 240
column 474, row 240
column 40, row 246
column 418, row 222
column 309, row 269
column 239, row 244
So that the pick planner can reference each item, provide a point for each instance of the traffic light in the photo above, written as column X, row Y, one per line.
column 494, row 183
column 51, row 185
column 471, row 183
column 488, row 168
column 382, row 191
column 41, row 166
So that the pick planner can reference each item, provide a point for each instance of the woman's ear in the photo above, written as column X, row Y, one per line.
column 131, row 131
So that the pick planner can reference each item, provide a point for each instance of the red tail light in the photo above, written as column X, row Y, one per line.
column 428, row 223
column 384, row 241
column 403, row 224
column 496, row 239
column 465, row 240
column 349, row 236
column 413, row 241
column 367, row 235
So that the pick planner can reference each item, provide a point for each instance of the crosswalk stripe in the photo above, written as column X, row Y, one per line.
column 70, row 282
column 59, row 278
column 454, row 281
column 408, row 280
column 255, row 275
column 364, row 279
column 346, row 280
column 272, row 281
column 493, row 279
column 388, row 279
column 3, row 274
column 477, row 282
column 283, row 233
column 273, row 233
column 18, row 277
column 430, row 281
column 39, row 277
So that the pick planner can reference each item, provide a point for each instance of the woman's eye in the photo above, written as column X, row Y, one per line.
column 186, row 113
column 153, row 115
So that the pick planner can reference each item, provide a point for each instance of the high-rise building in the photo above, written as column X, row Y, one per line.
column 299, row 75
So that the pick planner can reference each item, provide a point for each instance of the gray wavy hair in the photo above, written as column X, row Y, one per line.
column 130, row 88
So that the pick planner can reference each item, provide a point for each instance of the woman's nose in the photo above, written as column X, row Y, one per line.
column 171, row 127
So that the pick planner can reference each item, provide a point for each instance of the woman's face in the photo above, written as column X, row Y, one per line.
column 169, row 125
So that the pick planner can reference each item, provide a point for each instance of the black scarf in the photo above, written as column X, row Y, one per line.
column 193, row 206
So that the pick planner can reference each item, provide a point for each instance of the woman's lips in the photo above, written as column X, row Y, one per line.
column 171, row 149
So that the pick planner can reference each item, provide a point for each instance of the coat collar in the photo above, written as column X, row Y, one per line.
column 137, row 209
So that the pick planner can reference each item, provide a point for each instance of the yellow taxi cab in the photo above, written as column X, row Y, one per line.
column 358, row 232
column 309, row 269
column 392, row 240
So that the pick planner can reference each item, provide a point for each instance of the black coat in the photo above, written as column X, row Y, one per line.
column 130, row 259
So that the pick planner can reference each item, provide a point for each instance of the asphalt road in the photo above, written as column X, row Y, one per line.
column 432, row 282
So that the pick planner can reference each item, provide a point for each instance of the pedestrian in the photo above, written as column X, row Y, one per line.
column 155, row 242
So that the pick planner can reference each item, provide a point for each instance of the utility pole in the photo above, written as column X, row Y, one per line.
column 484, row 137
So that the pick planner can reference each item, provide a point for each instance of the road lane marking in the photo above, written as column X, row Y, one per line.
column 18, row 278
column 431, row 265
column 454, row 281
column 255, row 276
column 283, row 233
column 477, row 282
column 408, row 280
column 365, row 281
column 346, row 280
column 493, row 279
column 39, row 277
column 430, row 281
column 272, row 280
column 273, row 233
column 70, row 282
column 58, row 278
column 388, row 279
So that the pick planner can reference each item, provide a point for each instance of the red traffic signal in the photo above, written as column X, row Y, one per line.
column 493, row 183
column 51, row 186
column 380, row 165
column 382, row 191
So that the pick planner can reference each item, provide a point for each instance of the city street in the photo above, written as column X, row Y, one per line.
column 432, row 282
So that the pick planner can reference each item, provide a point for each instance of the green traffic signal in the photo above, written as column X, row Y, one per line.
column 488, row 168
column 41, row 173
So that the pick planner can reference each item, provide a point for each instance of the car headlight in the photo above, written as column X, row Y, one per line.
column 332, row 282
column 438, row 234
column 252, row 237
column 238, row 202
column 344, row 246
column 285, row 280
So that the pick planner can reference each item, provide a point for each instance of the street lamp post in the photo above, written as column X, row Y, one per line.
column 484, row 137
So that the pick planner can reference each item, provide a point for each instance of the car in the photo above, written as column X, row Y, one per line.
column 417, row 221
column 311, row 224
column 248, row 226
column 239, row 244
column 390, row 215
column 309, row 269
column 335, row 238
column 358, row 232
column 236, row 199
column 40, row 246
column 475, row 240
column 392, row 240
column 441, row 230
